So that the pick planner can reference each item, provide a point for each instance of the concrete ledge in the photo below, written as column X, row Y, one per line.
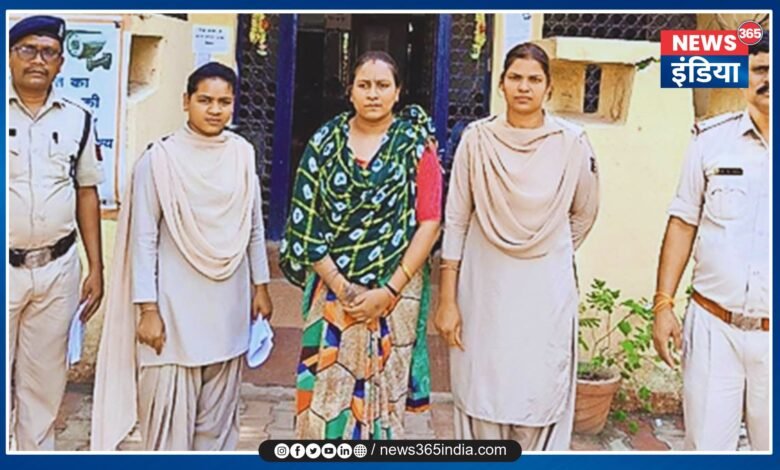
column 604, row 51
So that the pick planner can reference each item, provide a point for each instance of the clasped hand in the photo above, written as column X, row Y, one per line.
column 368, row 304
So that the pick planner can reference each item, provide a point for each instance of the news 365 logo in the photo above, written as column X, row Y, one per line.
column 707, row 59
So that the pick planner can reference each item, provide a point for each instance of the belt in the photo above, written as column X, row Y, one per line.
column 743, row 322
column 38, row 257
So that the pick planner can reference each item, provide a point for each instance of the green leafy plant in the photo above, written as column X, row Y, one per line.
column 616, row 336
column 643, row 64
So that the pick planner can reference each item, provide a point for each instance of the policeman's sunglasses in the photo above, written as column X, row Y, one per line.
column 28, row 53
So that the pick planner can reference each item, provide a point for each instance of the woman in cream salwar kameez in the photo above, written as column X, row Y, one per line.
column 190, row 251
column 522, row 198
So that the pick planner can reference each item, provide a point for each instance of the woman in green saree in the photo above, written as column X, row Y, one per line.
column 365, row 213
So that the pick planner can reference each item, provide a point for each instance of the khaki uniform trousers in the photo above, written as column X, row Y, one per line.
column 42, row 302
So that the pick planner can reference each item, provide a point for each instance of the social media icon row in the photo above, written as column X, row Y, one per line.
column 314, row 450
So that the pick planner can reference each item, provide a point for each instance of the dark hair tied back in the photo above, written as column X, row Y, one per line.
column 527, row 50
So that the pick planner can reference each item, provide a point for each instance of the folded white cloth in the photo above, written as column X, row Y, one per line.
column 260, row 342
column 75, row 337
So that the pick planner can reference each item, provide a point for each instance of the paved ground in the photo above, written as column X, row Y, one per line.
column 267, row 413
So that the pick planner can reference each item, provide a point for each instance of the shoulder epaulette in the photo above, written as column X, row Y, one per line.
column 713, row 122
column 161, row 139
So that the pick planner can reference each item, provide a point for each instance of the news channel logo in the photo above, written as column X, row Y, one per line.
column 315, row 450
column 707, row 59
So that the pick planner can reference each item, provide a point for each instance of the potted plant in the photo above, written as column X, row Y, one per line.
column 604, row 364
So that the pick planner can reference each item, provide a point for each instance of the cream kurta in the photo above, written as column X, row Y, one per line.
column 519, row 202
column 206, row 321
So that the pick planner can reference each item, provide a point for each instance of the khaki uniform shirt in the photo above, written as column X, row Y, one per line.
column 41, row 193
column 724, row 191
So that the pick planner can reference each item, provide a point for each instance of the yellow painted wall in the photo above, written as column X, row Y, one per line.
column 639, row 164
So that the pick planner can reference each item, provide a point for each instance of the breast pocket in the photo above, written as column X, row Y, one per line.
column 726, row 197
column 61, row 164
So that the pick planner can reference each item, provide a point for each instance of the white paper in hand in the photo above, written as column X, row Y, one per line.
column 260, row 342
column 75, row 337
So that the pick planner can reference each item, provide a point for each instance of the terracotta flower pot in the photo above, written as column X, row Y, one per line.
column 592, row 402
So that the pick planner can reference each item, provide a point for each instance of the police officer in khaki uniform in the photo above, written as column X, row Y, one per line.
column 53, row 173
column 722, row 204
